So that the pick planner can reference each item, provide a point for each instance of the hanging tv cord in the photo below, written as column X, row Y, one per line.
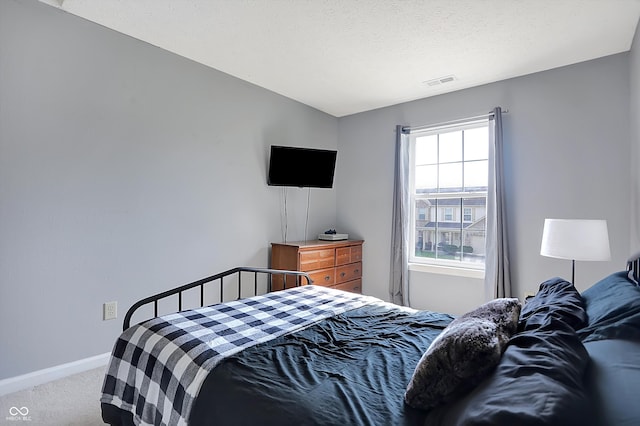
column 286, row 219
column 284, row 228
column 306, row 223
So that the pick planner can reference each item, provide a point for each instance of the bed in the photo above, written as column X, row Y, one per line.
column 309, row 355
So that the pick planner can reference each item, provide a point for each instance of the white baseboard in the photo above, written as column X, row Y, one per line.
column 25, row 381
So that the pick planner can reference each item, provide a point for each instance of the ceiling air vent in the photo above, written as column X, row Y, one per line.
column 439, row 81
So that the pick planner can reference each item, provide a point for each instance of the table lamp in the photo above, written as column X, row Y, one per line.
column 575, row 239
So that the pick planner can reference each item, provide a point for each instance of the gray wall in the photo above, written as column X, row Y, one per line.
column 567, row 147
column 126, row 170
column 634, row 67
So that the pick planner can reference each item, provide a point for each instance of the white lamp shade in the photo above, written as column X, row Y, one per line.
column 575, row 239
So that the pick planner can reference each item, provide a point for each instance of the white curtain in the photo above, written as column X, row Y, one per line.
column 497, row 281
column 399, row 283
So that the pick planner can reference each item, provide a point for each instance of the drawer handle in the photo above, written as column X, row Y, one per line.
column 342, row 274
column 356, row 270
column 327, row 278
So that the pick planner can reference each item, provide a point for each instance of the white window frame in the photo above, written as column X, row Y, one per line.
column 444, row 266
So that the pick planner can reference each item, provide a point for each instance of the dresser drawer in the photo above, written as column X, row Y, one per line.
column 356, row 253
column 317, row 259
column 348, row 272
column 354, row 286
column 346, row 255
column 324, row 277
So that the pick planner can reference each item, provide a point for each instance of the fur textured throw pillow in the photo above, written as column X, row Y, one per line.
column 463, row 354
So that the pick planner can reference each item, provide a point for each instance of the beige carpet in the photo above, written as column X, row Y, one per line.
column 74, row 400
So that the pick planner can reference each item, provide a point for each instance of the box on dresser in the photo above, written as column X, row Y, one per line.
column 336, row 264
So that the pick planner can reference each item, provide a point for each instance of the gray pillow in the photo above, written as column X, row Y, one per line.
column 463, row 354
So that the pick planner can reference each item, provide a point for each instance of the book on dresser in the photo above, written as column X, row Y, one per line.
column 336, row 264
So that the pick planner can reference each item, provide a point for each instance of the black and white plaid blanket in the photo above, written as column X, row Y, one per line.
column 157, row 367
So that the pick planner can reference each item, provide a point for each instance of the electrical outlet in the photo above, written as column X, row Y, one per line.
column 109, row 311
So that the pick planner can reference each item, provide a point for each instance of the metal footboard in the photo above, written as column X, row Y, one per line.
column 297, row 280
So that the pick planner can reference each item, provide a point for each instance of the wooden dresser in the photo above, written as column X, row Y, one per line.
column 336, row 264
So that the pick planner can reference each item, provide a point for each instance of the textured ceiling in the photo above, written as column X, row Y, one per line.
column 349, row 56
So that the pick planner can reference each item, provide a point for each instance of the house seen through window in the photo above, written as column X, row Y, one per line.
column 448, row 186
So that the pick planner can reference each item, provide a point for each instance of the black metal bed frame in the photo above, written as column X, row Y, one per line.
column 217, row 277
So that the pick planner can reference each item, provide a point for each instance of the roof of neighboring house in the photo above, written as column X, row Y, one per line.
column 445, row 225
column 478, row 225
column 468, row 189
column 455, row 202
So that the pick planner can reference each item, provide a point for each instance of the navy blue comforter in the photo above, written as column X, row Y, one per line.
column 351, row 369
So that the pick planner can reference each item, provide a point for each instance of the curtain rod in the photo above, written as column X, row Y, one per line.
column 409, row 129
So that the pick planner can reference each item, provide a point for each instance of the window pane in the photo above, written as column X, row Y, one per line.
column 448, row 245
column 427, row 150
column 476, row 144
column 473, row 236
column 450, row 147
column 454, row 248
column 426, row 178
column 476, row 176
column 450, row 177
column 473, row 248
column 425, row 228
column 477, row 210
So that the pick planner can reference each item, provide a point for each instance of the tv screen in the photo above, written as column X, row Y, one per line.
column 302, row 167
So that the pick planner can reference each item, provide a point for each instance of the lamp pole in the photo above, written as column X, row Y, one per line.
column 573, row 271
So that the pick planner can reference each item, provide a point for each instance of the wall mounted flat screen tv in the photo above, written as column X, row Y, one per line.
column 301, row 167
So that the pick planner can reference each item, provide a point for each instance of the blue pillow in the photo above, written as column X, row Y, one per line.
column 633, row 267
column 613, row 309
column 556, row 300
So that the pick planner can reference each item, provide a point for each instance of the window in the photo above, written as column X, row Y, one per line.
column 448, row 214
column 448, row 190
column 467, row 214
